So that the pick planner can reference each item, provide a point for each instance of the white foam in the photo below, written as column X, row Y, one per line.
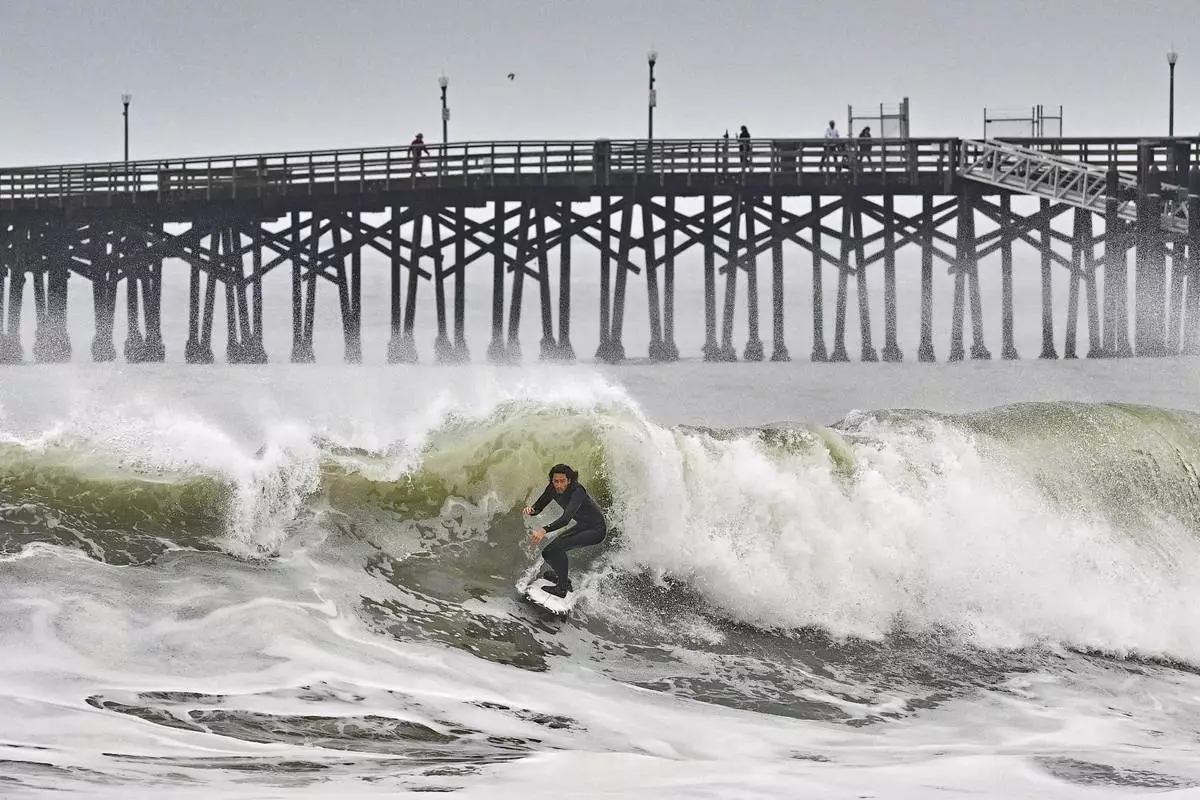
column 922, row 531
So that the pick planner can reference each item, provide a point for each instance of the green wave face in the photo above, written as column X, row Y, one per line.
column 500, row 460
column 1130, row 465
column 122, row 517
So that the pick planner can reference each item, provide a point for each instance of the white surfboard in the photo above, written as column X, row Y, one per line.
column 533, row 588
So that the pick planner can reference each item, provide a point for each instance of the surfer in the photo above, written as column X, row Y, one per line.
column 565, row 489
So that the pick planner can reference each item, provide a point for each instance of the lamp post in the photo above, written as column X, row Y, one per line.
column 125, row 98
column 651, row 102
column 1172, row 57
column 444, row 83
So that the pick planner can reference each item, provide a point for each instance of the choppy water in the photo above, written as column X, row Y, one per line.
column 837, row 581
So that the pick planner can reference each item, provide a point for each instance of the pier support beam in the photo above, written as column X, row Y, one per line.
column 839, row 322
column 712, row 350
column 891, row 349
column 548, row 345
column 818, row 302
column 349, row 286
column 1178, row 272
column 925, row 352
column 612, row 345
column 520, row 267
column 604, row 350
column 136, row 284
column 304, row 290
column 1191, row 331
column 1083, row 270
column 1116, row 273
column 1077, row 247
column 1008, row 349
column 1046, row 250
column 779, row 351
column 727, row 352
column 868, row 352
column 965, row 237
column 443, row 347
column 104, row 272
column 754, row 345
column 462, row 353
column 657, row 347
column 564, row 350
column 406, row 346
column 52, row 344
column 12, row 290
column 254, row 349
column 243, row 337
column 1150, row 274
column 147, row 347
column 670, row 351
column 496, row 352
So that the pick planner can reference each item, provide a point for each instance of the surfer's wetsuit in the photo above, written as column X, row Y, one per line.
column 589, row 528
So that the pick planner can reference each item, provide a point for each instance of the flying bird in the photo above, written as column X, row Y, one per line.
column 512, row 75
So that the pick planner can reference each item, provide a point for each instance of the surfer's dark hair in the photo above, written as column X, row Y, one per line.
column 563, row 469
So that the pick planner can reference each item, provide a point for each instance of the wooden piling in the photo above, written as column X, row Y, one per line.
column 925, row 353
column 779, row 350
column 1046, row 250
column 1150, row 270
column 754, row 345
column 818, row 303
column 1008, row 348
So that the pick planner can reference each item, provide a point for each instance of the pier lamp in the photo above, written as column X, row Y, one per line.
column 444, row 83
column 125, row 99
column 652, row 101
column 1172, row 57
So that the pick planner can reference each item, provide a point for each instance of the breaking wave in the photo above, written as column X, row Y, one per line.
column 1035, row 524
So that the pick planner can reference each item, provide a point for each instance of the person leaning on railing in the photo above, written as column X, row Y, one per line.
column 864, row 145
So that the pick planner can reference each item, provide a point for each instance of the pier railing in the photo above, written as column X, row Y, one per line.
column 514, row 163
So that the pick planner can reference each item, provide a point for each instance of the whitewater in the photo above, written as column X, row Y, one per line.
column 836, row 581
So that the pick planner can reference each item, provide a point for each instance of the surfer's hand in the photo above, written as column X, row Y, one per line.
column 527, row 511
column 538, row 535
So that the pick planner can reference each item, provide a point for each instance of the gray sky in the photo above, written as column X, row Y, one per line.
column 232, row 76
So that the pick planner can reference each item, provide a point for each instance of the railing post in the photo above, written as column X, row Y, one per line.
column 601, row 160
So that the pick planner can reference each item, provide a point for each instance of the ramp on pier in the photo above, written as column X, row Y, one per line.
column 1063, row 180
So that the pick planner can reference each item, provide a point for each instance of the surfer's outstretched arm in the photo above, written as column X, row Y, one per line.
column 541, row 502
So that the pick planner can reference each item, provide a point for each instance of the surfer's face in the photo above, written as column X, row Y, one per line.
column 559, row 482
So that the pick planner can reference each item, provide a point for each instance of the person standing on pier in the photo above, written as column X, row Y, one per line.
column 864, row 145
column 415, row 150
column 833, row 142
column 744, row 147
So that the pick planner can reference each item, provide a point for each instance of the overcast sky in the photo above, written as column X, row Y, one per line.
column 233, row 76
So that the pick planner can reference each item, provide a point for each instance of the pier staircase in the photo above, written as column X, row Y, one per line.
column 1063, row 180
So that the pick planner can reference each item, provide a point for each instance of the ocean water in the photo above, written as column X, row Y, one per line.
column 823, row 580
column 828, row 580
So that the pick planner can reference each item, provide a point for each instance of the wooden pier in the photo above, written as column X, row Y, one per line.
column 633, row 207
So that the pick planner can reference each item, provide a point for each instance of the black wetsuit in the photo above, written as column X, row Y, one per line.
column 589, row 528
